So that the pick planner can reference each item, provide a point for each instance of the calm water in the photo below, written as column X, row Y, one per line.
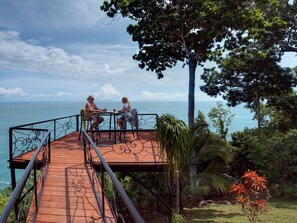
column 12, row 114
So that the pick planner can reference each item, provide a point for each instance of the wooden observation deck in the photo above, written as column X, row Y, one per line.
column 68, row 195
column 67, row 177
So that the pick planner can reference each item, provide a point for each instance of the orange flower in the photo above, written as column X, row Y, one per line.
column 241, row 199
column 262, row 205
column 249, row 192
column 238, row 188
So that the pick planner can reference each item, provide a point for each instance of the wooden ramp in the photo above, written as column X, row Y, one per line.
column 68, row 195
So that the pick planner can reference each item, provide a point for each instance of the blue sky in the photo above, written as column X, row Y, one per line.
column 67, row 49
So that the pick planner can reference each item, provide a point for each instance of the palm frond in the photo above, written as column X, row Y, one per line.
column 213, row 178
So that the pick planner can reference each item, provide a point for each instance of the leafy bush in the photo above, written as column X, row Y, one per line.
column 4, row 197
column 194, row 195
column 273, row 154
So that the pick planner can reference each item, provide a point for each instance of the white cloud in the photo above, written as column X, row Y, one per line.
column 178, row 96
column 44, row 15
column 17, row 54
column 11, row 91
column 147, row 95
column 62, row 94
column 107, row 91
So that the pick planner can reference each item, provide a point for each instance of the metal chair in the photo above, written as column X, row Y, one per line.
column 85, row 122
column 133, row 121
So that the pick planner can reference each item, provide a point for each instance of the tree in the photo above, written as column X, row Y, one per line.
column 288, row 12
column 283, row 111
column 191, row 32
column 212, row 154
column 221, row 119
column 172, row 31
column 249, row 74
column 173, row 137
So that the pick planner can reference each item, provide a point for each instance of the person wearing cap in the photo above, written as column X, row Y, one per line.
column 92, row 109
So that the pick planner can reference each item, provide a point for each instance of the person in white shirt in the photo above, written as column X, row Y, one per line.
column 126, row 110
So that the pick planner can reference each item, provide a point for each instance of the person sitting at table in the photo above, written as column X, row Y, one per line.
column 92, row 111
column 126, row 110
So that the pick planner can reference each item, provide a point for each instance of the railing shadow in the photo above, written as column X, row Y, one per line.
column 89, row 149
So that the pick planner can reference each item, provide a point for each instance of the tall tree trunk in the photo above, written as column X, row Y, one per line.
column 191, row 95
column 191, row 109
column 258, row 112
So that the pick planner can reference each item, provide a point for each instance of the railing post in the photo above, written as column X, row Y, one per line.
column 35, row 186
column 12, row 170
column 85, row 148
column 10, row 144
column 103, row 185
column 54, row 129
column 77, row 124
column 49, row 147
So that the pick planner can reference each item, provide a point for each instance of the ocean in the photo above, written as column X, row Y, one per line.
column 18, row 113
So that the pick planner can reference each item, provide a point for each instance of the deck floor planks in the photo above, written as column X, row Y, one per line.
column 68, row 195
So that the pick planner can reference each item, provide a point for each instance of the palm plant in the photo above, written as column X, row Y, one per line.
column 212, row 155
column 173, row 137
column 176, row 140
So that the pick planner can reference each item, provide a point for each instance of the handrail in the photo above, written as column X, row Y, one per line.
column 133, row 211
column 17, row 192
column 49, row 120
column 23, row 133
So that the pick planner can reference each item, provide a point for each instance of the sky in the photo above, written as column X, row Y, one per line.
column 65, row 50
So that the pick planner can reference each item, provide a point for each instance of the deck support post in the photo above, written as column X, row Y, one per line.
column 158, row 184
column 13, row 185
column 13, row 180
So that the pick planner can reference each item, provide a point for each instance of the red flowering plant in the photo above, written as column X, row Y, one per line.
column 252, row 193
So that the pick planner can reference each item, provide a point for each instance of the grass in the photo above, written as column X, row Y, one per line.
column 279, row 211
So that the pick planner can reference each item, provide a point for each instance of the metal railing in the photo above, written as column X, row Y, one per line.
column 89, row 149
column 36, row 137
column 30, row 186
column 26, row 138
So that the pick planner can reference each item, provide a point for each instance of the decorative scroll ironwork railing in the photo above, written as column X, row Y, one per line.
column 26, row 197
column 143, row 148
column 26, row 138
column 145, row 121
column 99, row 183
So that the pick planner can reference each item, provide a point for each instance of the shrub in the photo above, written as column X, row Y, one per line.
column 273, row 155
column 194, row 195
column 252, row 194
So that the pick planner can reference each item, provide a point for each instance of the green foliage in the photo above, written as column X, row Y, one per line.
column 280, row 211
column 243, row 78
column 140, row 196
column 193, row 32
column 4, row 198
column 288, row 13
column 212, row 154
column 173, row 137
column 221, row 119
column 283, row 111
column 176, row 217
column 193, row 195
column 272, row 155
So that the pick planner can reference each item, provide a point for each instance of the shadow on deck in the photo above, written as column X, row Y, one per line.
column 68, row 195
